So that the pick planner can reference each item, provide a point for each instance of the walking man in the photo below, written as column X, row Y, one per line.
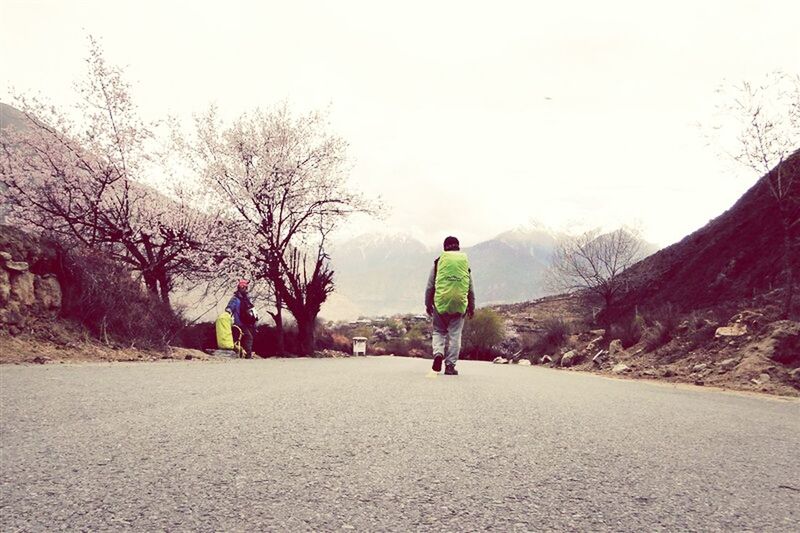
column 241, row 309
column 449, row 297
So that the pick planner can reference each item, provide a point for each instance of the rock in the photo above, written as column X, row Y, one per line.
column 615, row 347
column 598, row 332
column 735, row 330
column 699, row 367
column 22, row 289
column 784, row 338
column 5, row 287
column 11, row 315
column 5, row 257
column 500, row 361
column 599, row 358
column 569, row 358
column 40, row 360
column 763, row 377
column 48, row 292
column 619, row 368
column 668, row 373
column 546, row 359
column 17, row 266
column 14, row 330
column 794, row 375
column 649, row 372
column 728, row 364
column 699, row 382
column 525, row 362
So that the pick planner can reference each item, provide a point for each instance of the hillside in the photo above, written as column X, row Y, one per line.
column 736, row 255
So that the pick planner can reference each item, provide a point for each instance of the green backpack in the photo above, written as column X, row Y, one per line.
column 452, row 283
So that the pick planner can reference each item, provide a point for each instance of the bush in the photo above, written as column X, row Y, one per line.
column 481, row 333
column 397, row 347
column 665, row 321
column 629, row 331
column 553, row 337
column 102, row 295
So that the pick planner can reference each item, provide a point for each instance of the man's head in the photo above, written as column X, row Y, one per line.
column 242, row 285
column 451, row 244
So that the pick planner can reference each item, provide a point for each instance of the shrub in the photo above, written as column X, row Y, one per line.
column 482, row 332
column 397, row 347
column 553, row 337
column 664, row 321
column 629, row 331
column 102, row 295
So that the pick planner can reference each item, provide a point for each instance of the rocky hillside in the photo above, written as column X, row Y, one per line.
column 29, row 288
column 735, row 256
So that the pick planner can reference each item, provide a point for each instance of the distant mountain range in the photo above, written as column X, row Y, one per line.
column 378, row 275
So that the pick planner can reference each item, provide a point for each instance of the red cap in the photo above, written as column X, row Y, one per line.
column 243, row 283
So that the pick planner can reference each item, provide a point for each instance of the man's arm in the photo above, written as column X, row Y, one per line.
column 471, row 297
column 430, row 289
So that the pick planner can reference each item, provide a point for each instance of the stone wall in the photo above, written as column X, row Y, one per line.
column 29, row 285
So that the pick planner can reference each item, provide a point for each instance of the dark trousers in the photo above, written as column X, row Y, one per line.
column 247, row 340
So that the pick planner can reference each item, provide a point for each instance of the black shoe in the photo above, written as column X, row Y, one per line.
column 437, row 362
column 450, row 370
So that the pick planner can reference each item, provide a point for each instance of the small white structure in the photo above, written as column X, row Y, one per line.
column 359, row 346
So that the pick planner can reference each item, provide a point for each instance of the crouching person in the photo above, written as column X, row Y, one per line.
column 241, row 309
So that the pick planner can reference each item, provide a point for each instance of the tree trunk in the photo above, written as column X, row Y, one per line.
column 164, row 286
column 305, row 334
column 151, row 282
column 280, row 342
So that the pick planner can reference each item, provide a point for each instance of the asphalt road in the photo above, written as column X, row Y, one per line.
column 381, row 444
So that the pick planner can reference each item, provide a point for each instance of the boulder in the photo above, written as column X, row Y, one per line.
column 5, row 257
column 569, row 358
column 784, row 337
column 598, row 332
column 22, row 289
column 615, row 347
column 11, row 315
column 17, row 266
column 500, row 361
column 728, row 364
column 734, row 330
column 794, row 375
column 599, row 358
column 48, row 292
column 699, row 367
column 761, row 379
column 546, row 359
column 5, row 286
column 619, row 368
column 525, row 362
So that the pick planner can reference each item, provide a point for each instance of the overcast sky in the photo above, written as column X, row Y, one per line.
column 466, row 118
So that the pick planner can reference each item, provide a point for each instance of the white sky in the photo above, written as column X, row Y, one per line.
column 467, row 118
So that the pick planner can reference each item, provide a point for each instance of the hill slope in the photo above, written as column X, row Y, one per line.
column 735, row 256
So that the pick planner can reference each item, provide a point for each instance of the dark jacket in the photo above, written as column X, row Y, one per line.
column 241, row 309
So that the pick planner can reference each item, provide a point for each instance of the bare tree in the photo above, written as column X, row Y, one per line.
column 85, row 181
column 283, row 178
column 593, row 262
column 766, row 117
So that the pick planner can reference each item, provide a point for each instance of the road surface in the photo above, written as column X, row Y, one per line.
column 380, row 444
